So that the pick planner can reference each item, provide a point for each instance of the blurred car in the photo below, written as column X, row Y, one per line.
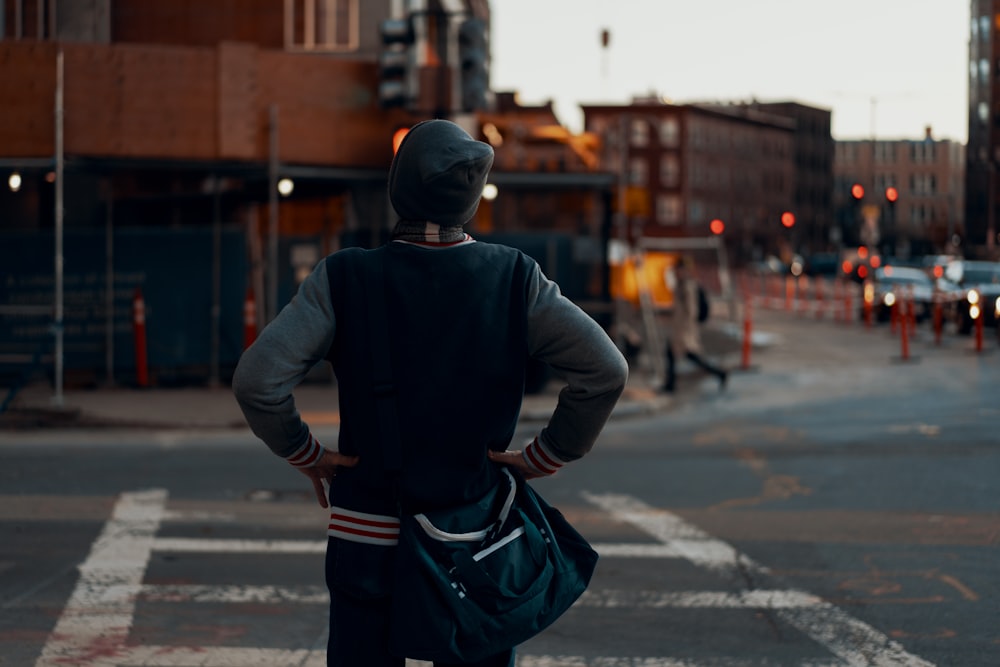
column 889, row 284
column 980, row 284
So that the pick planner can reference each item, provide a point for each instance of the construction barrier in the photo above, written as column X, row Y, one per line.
column 747, row 335
column 249, row 319
column 139, row 335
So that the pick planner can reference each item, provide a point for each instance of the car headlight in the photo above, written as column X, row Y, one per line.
column 996, row 308
column 889, row 299
column 972, row 297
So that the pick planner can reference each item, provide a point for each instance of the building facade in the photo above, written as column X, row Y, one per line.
column 983, row 151
column 684, row 166
column 927, row 176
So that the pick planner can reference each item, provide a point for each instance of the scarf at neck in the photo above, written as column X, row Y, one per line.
column 427, row 232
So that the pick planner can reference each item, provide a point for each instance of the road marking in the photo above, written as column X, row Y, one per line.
column 92, row 630
column 852, row 640
column 94, row 626
column 581, row 661
column 209, row 545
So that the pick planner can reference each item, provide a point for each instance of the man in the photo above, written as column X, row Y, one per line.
column 464, row 316
column 684, row 334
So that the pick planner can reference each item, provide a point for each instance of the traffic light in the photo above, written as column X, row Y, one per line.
column 397, row 78
column 473, row 58
column 788, row 219
column 891, row 197
column 857, row 192
column 717, row 226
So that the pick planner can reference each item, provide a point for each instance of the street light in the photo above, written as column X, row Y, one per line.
column 14, row 182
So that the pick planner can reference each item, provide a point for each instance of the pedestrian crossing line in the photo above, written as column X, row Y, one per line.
column 848, row 638
column 215, row 545
column 95, row 624
column 91, row 630
column 601, row 598
column 581, row 661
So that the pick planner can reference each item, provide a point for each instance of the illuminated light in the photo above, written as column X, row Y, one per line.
column 974, row 312
column 888, row 269
column 50, row 177
column 996, row 308
column 862, row 252
column 285, row 187
column 938, row 271
column 492, row 134
column 397, row 138
column 891, row 195
column 717, row 226
column 889, row 299
column 14, row 182
column 973, row 297
column 796, row 268
column 876, row 262
column 862, row 271
column 857, row 191
column 788, row 219
column 490, row 192
column 869, row 293
column 847, row 266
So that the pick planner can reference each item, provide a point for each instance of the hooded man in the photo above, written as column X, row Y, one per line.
column 463, row 318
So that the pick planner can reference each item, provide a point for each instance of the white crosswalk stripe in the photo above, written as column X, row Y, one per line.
column 95, row 623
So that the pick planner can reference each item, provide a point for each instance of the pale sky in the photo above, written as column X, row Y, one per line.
column 891, row 67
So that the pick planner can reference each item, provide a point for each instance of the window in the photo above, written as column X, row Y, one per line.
column 638, row 133
column 321, row 25
column 670, row 132
column 638, row 171
column 984, row 70
column 668, row 209
column 670, row 171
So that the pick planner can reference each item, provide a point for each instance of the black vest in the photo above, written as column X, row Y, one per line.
column 457, row 342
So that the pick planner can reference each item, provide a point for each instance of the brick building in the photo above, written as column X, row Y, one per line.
column 685, row 165
column 928, row 176
column 982, row 224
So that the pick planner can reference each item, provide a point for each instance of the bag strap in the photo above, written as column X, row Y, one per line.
column 383, row 388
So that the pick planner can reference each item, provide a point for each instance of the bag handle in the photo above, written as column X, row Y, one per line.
column 484, row 535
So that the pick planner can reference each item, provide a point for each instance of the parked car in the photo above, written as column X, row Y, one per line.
column 891, row 283
column 980, row 284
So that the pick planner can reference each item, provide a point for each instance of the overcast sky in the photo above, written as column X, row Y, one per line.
column 891, row 67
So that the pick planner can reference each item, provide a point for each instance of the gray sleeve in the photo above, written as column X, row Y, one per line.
column 582, row 354
column 285, row 351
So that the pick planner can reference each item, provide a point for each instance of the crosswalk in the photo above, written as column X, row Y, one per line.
column 97, row 620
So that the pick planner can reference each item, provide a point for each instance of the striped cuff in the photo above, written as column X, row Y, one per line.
column 376, row 529
column 307, row 455
column 540, row 458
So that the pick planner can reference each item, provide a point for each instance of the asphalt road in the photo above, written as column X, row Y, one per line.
column 837, row 505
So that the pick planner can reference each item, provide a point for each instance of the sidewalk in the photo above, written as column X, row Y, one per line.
column 198, row 407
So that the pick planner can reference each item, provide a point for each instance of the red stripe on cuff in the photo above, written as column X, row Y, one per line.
column 537, row 463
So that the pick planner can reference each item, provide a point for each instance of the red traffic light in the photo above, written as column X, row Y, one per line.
column 788, row 219
column 891, row 195
column 857, row 191
column 397, row 138
column 717, row 226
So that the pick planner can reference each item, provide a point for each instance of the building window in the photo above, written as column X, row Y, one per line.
column 984, row 70
column 638, row 172
column 668, row 209
column 670, row 171
column 638, row 133
column 321, row 25
column 670, row 132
